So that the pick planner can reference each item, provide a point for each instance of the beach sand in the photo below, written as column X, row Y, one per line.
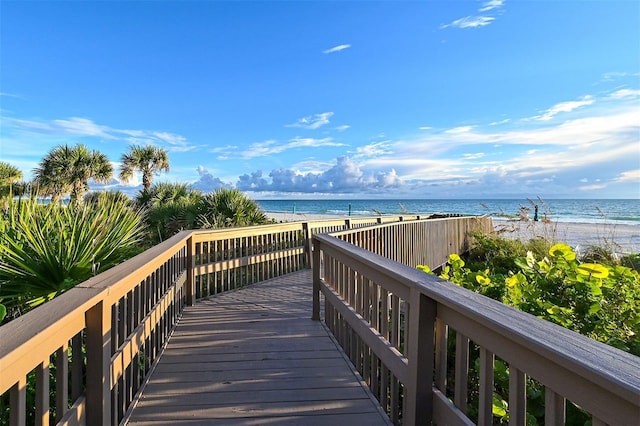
column 621, row 238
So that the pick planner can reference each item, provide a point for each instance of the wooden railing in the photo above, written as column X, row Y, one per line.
column 88, row 351
column 394, row 323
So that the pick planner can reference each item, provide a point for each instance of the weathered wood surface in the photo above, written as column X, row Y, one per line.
column 254, row 356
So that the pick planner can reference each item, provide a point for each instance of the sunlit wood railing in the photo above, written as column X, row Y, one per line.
column 91, row 349
column 394, row 323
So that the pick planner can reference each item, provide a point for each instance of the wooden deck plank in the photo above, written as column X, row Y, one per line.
column 358, row 419
column 259, row 410
column 253, row 356
column 250, row 384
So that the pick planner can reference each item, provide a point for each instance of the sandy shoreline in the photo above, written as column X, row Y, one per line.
column 623, row 238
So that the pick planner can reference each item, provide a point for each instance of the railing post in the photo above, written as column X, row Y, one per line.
column 421, row 353
column 315, row 313
column 308, row 244
column 98, row 391
column 191, row 265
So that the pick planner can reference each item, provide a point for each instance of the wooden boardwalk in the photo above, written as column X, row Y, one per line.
column 254, row 357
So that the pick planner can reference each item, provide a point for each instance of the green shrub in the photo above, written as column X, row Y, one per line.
column 47, row 249
column 598, row 300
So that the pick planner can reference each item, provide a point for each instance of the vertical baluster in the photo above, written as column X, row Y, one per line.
column 18, row 403
column 76, row 367
column 442, row 331
column 485, row 409
column 62, row 380
column 461, row 372
column 315, row 315
column 42, row 393
column 517, row 397
column 554, row 408
column 395, row 341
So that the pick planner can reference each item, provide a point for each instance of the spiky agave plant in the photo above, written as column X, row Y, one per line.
column 47, row 249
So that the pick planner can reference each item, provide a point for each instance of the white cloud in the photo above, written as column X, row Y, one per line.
column 208, row 182
column 271, row 147
column 624, row 94
column 470, row 22
column 343, row 127
column 337, row 48
column 593, row 187
column 312, row 122
column 83, row 127
column 346, row 176
column 473, row 156
column 11, row 95
column 461, row 129
column 477, row 20
column 617, row 75
column 564, row 107
column 629, row 176
column 425, row 128
column 87, row 128
column 490, row 5
column 375, row 149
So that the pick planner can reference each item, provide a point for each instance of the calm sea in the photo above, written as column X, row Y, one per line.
column 585, row 211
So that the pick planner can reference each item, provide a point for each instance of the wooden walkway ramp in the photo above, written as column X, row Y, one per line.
column 254, row 357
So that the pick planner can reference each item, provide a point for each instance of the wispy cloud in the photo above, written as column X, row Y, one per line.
column 617, row 75
column 343, row 127
column 458, row 130
column 564, row 107
column 490, row 5
column 83, row 127
column 11, row 95
column 470, row 22
column 477, row 21
column 312, row 122
column 271, row 147
column 336, row 48
column 629, row 176
column 624, row 94
column 375, row 149
column 87, row 128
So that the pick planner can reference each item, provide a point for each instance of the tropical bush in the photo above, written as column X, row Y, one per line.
column 47, row 249
column 172, row 207
column 599, row 300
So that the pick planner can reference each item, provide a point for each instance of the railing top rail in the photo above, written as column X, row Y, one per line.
column 596, row 361
column 61, row 318
column 389, row 224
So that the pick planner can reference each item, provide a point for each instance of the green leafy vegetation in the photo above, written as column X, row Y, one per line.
column 599, row 300
column 172, row 207
column 47, row 249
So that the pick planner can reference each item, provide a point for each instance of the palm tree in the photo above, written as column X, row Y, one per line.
column 68, row 170
column 9, row 176
column 148, row 159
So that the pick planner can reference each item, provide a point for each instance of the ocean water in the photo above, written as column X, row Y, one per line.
column 625, row 211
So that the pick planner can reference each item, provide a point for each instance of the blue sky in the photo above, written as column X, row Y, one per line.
column 304, row 99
